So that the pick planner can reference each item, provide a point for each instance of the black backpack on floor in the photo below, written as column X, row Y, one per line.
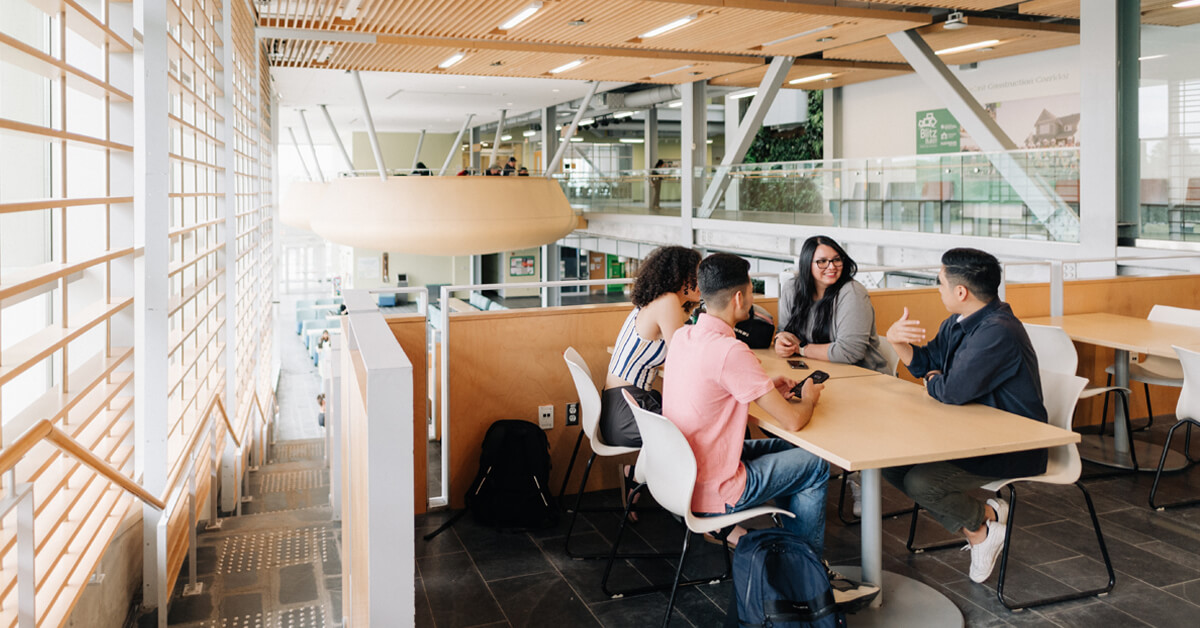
column 512, row 488
column 780, row 581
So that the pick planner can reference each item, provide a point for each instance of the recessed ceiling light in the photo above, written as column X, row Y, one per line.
column 529, row 133
column 587, row 121
column 576, row 139
column 631, row 140
column 966, row 47
column 623, row 114
column 797, row 36
column 452, row 59
column 665, row 28
column 675, row 104
column 815, row 77
column 577, row 23
column 505, row 138
column 823, row 40
column 1148, row 58
column 743, row 94
column 1186, row 3
column 567, row 66
column 682, row 67
column 521, row 16
column 555, row 90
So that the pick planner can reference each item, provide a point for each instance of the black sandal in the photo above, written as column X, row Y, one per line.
column 627, row 472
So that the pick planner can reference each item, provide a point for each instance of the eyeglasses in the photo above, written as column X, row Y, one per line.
column 824, row 263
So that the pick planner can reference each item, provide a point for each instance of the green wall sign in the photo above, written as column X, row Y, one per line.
column 937, row 132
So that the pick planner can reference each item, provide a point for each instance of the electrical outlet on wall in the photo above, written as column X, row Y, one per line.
column 573, row 414
column 546, row 417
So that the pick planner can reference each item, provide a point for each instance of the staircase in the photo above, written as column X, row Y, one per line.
column 278, row 565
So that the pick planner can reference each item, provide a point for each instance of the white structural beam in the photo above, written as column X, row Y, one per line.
column 1060, row 220
column 454, row 146
column 549, row 133
column 693, row 152
column 496, row 140
column 746, row 129
column 151, row 203
column 337, row 138
column 650, row 146
column 300, row 154
column 366, row 109
column 1105, row 106
column 417, row 153
column 311, row 146
column 552, row 167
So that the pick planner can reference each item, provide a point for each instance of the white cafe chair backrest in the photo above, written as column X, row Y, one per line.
column 666, row 464
column 589, row 404
column 1060, row 393
column 889, row 354
column 1054, row 349
column 1189, row 398
column 1174, row 315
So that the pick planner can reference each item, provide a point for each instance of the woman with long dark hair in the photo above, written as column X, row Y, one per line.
column 824, row 313
column 661, row 295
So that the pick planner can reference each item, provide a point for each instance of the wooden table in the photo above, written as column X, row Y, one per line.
column 872, row 422
column 775, row 365
column 1125, row 334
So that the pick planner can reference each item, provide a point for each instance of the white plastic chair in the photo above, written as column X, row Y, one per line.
column 589, row 419
column 1187, row 411
column 889, row 354
column 667, row 466
column 1056, row 354
column 1158, row 370
column 1060, row 393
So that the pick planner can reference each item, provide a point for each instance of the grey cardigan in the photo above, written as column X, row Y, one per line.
column 854, row 338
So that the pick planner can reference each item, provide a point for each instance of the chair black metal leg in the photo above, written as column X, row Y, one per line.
column 1149, row 410
column 1162, row 462
column 562, row 490
column 1187, row 445
column 1104, row 410
column 1112, row 578
column 675, row 583
column 912, row 534
column 853, row 519
column 587, row 471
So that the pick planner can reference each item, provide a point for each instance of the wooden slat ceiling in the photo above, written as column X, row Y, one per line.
column 1014, row 37
column 844, row 73
column 1157, row 12
column 735, row 29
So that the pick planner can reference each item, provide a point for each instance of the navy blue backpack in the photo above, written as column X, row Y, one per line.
column 780, row 582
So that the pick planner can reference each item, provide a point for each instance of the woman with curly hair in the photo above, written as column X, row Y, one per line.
column 662, row 293
column 824, row 313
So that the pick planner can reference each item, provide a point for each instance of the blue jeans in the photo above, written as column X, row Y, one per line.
column 794, row 478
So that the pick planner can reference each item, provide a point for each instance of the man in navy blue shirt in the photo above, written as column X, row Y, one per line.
column 981, row 354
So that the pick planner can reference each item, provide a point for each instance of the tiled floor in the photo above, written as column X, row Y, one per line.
column 279, row 564
column 525, row 579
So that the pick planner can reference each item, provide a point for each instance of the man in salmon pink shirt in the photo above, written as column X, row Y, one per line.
column 710, row 380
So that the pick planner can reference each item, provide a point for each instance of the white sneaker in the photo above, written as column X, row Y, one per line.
column 1001, row 508
column 856, row 491
column 983, row 555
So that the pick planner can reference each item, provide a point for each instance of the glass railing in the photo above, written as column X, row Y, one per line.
column 961, row 193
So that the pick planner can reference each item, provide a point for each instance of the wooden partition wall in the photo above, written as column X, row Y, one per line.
column 505, row 364
column 410, row 333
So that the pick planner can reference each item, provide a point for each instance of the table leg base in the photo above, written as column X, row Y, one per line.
column 1100, row 450
column 906, row 602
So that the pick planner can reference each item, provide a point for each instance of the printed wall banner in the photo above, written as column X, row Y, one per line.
column 937, row 132
column 521, row 266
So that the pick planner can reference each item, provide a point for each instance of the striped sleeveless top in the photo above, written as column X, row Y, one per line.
column 635, row 359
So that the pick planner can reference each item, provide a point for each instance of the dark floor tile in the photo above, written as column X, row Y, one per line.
column 1189, row 591
column 240, row 580
column 1092, row 615
column 636, row 612
column 585, row 576
column 451, row 579
column 1126, row 558
column 424, row 613
column 297, row 583
column 499, row 554
column 1153, row 606
column 241, row 605
column 1030, row 546
column 206, row 560
column 541, row 600
column 700, row 609
column 1081, row 573
column 335, row 606
column 191, row 608
column 445, row 542
column 331, row 561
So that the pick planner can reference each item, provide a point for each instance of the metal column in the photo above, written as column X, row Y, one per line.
column 496, row 140
column 454, row 149
column 650, row 146
column 552, row 167
column 417, row 153
column 694, row 152
column 311, row 147
column 549, row 133
column 337, row 138
column 366, row 108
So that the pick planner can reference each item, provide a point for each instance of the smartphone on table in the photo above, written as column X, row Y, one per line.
column 797, row 364
column 818, row 377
